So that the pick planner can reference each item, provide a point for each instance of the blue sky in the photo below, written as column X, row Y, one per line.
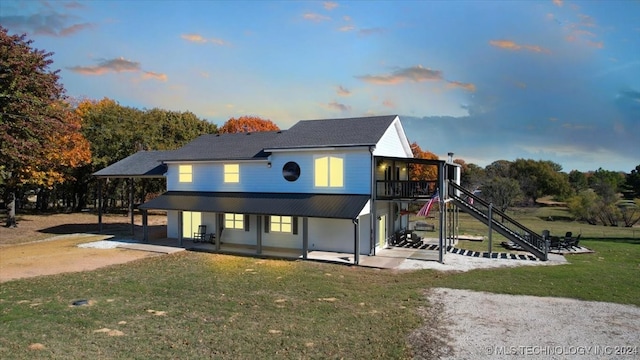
column 487, row 80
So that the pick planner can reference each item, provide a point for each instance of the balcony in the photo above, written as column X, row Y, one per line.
column 405, row 189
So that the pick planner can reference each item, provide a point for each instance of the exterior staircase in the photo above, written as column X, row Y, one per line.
column 500, row 222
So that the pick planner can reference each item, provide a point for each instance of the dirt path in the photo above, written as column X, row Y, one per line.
column 60, row 256
column 47, row 244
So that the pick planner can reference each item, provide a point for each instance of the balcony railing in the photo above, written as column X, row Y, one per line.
column 405, row 189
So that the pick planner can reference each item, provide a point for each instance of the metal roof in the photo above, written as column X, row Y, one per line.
column 140, row 164
column 337, row 206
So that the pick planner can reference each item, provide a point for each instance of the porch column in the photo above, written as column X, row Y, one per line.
column 131, row 206
column 356, row 238
column 145, row 226
column 180, row 225
column 219, row 227
column 259, row 234
column 305, row 237
column 99, row 205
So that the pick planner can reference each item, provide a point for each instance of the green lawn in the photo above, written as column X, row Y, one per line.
column 236, row 307
column 196, row 305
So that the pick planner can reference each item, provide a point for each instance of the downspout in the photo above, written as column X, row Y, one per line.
column 372, row 203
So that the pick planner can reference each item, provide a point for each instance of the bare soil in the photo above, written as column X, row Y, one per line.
column 47, row 244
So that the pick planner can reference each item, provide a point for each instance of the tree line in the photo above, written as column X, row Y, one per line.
column 603, row 197
column 51, row 145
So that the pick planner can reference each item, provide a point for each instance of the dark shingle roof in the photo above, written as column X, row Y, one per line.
column 237, row 146
column 362, row 131
column 140, row 164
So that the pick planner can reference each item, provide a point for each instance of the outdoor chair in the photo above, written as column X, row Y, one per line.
column 572, row 242
column 555, row 243
column 201, row 234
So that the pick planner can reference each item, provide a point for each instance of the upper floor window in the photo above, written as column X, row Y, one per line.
column 280, row 223
column 231, row 173
column 329, row 171
column 185, row 173
column 234, row 221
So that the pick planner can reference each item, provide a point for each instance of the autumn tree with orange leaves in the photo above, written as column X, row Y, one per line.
column 423, row 172
column 39, row 136
column 248, row 124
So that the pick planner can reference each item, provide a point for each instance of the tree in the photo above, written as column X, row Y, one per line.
column 499, row 168
column 502, row 192
column 578, row 181
column 630, row 212
column 606, row 184
column 632, row 183
column 584, row 206
column 472, row 176
column 33, row 116
column 540, row 178
column 248, row 124
column 423, row 172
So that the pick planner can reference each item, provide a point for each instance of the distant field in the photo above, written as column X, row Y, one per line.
column 556, row 219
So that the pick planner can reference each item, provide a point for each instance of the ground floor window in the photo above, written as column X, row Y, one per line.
column 280, row 223
column 234, row 221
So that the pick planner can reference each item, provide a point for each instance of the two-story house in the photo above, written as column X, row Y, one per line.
column 337, row 185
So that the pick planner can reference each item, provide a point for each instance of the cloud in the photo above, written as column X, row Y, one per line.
column 152, row 75
column 347, row 28
column 117, row 65
column 73, row 5
column 329, row 5
column 47, row 21
column 342, row 91
column 197, row 38
column 338, row 106
column 371, row 31
column 315, row 17
column 414, row 73
column 511, row 45
column 389, row 104
column 114, row 65
column 461, row 85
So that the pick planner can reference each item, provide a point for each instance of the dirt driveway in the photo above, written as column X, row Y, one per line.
column 47, row 244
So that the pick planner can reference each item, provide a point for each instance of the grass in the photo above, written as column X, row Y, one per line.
column 609, row 274
column 216, row 306
column 197, row 305
column 536, row 219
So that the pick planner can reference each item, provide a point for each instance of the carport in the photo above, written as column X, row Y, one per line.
column 143, row 164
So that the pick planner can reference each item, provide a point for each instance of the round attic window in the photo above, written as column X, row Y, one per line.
column 291, row 171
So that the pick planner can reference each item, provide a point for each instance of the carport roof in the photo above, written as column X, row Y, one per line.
column 140, row 164
column 285, row 204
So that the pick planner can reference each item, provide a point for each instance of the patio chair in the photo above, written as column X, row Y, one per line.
column 555, row 243
column 201, row 234
column 573, row 242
